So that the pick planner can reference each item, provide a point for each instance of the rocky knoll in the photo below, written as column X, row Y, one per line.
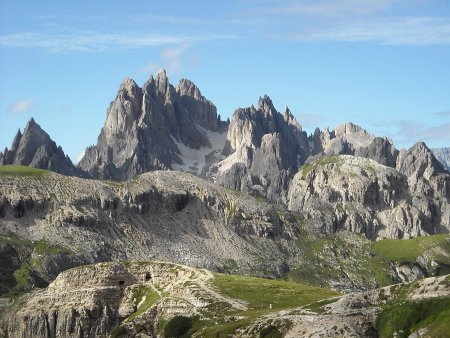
column 144, row 127
column 360, row 195
column 36, row 149
column 92, row 301
column 350, row 139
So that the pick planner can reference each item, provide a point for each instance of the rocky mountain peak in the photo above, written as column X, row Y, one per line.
column 265, row 104
column 290, row 119
column 187, row 87
column 16, row 141
column 35, row 148
column 145, row 128
column 418, row 161
column 162, row 81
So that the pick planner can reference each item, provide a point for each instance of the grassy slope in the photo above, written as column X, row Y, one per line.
column 258, row 293
column 19, row 273
column 17, row 170
column 403, row 316
column 364, row 259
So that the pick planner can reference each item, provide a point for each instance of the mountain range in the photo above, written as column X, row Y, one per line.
column 255, row 195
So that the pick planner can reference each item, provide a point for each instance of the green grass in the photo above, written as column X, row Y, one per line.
column 407, row 317
column 151, row 297
column 407, row 250
column 259, row 292
column 326, row 256
column 18, row 170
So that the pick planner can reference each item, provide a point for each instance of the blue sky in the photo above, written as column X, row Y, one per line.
column 383, row 64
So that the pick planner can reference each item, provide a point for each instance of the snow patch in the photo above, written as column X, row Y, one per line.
column 194, row 160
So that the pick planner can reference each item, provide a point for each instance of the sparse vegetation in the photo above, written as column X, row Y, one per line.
column 308, row 167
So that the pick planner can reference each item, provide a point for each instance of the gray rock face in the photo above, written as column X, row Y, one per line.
column 263, row 150
column 360, row 195
column 350, row 139
column 36, row 149
column 443, row 155
column 144, row 125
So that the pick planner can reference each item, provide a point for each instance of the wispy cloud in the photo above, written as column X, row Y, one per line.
column 407, row 132
column 442, row 114
column 21, row 106
column 171, row 59
column 86, row 41
column 327, row 8
column 308, row 120
column 393, row 31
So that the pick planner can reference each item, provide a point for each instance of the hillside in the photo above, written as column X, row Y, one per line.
column 181, row 218
column 166, row 299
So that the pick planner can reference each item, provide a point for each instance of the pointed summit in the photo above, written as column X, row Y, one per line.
column 162, row 81
column 16, row 141
column 36, row 149
column 146, row 128
column 265, row 104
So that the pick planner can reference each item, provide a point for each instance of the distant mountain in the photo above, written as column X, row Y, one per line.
column 443, row 155
column 154, row 127
column 35, row 148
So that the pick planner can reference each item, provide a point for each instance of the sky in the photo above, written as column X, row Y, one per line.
column 382, row 64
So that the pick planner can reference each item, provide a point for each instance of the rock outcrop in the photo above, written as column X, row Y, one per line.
column 360, row 195
column 145, row 128
column 350, row 139
column 443, row 155
column 36, row 149
column 262, row 152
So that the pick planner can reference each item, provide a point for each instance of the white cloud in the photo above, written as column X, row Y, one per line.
column 21, row 106
column 86, row 41
column 413, row 31
column 79, row 157
column 171, row 59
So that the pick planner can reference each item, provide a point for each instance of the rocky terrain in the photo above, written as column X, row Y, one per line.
column 182, row 218
column 148, row 128
column 36, row 149
column 169, row 181
column 443, row 155
column 153, row 299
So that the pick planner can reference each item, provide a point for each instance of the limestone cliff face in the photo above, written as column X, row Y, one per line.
column 360, row 195
column 36, row 149
column 92, row 301
column 144, row 125
column 263, row 150
column 170, row 215
column 443, row 155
